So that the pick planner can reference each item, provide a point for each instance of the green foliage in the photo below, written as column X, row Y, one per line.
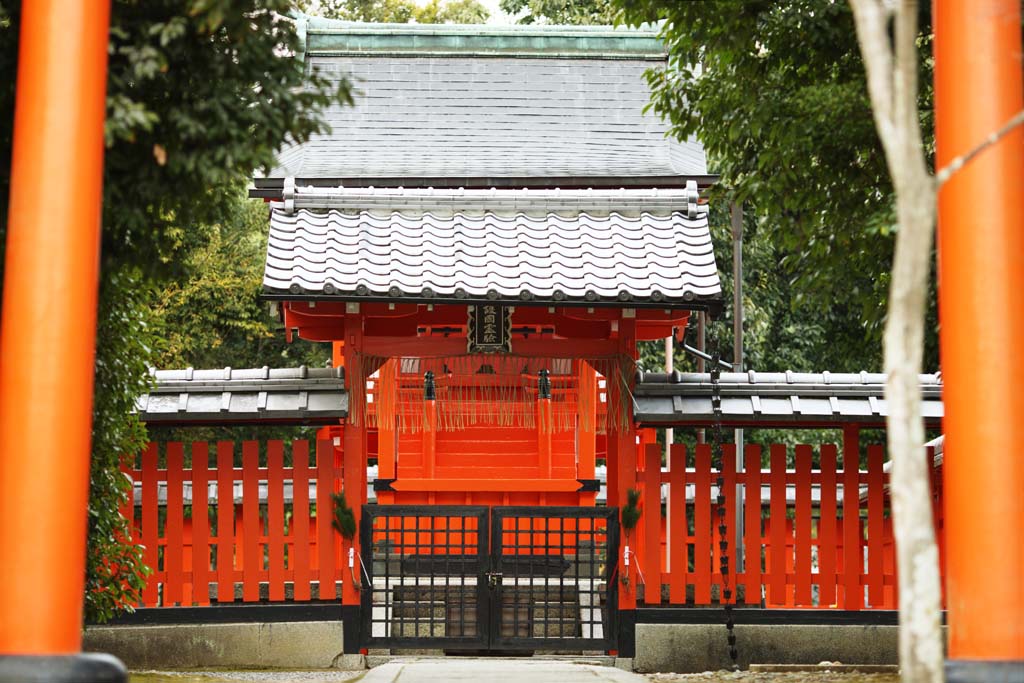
column 630, row 514
column 776, row 92
column 562, row 11
column 399, row 11
column 344, row 519
column 200, row 93
column 211, row 316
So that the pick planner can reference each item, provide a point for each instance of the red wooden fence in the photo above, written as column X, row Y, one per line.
column 232, row 540
column 799, row 549
column 231, row 531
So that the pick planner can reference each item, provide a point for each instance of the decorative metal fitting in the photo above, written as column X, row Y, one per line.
column 429, row 391
column 544, row 385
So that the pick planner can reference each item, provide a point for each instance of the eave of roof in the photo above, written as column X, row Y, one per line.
column 302, row 396
column 329, row 37
column 757, row 399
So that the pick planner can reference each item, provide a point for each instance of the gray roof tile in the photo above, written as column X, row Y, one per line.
column 490, row 116
column 245, row 396
column 766, row 399
column 663, row 260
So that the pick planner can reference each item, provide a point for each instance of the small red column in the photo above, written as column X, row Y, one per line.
column 978, row 88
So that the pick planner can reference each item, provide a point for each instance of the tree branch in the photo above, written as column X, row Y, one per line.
column 956, row 164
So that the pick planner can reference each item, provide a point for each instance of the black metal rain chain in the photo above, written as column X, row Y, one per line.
column 718, row 460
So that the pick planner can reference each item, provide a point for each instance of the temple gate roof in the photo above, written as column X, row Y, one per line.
column 488, row 106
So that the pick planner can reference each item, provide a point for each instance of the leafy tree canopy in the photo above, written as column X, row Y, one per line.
column 776, row 92
column 561, row 11
column 399, row 11
column 199, row 94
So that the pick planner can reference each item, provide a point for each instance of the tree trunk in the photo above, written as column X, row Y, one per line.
column 891, row 66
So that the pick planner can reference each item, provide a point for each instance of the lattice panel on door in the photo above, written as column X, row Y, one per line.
column 555, row 589
column 426, row 576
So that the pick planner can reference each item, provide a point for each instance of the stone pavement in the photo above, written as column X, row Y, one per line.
column 495, row 670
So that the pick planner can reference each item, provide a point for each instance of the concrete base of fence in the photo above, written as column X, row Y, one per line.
column 692, row 648
column 293, row 645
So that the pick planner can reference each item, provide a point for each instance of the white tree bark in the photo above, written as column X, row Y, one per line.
column 890, row 60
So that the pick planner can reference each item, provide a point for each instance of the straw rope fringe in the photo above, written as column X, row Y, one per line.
column 498, row 390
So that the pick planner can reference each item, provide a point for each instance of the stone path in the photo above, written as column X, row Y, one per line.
column 495, row 670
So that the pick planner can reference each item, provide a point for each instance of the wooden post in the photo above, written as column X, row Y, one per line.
column 47, row 345
column 978, row 88
column 354, row 473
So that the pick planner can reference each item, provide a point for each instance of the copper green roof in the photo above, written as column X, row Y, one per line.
column 331, row 37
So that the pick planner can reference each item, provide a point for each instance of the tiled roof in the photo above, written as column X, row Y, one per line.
column 523, row 253
column 766, row 399
column 250, row 396
column 487, row 103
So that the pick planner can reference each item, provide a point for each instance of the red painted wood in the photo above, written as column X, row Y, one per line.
column 679, row 533
column 544, row 429
column 876, row 522
column 777, row 526
column 752, row 524
column 802, row 592
column 827, row 548
column 225, row 522
column 324, row 516
column 150, row 521
column 299, row 557
column 853, row 594
column 729, row 481
column 252, row 550
column 702, row 526
column 275, row 519
column 652, row 524
column 174, row 548
column 200, row 523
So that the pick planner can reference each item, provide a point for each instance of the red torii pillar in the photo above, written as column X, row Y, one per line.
column 47, row 341
column 978, row 88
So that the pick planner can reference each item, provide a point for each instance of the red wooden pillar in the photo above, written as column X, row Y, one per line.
column 978, row 88
column 586, row 429
column 622, row 454
column 47, row 345
column 354, row 442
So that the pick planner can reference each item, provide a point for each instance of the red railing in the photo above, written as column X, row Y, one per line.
column 232, row 522
column 799, row 550
column 225, row 533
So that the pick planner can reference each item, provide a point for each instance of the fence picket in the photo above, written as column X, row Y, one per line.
column 324, row 510
column 200, row 523
column 827, row 528
column 679, row 531
column 252, row 557
column 729, row 484
column 275, row 519
column 752, row 525
column 301, row 574
column 702, row 526
column 802, row 593
column 777, row 526
column 150, row 522
column 853, row 562
column 174, row 548
column 651, row 568
column 876, row 514
column 225, row 521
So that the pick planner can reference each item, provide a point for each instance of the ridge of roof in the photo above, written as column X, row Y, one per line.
column 335, row 37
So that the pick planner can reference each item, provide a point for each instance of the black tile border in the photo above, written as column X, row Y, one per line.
column 756, row 616
column 230, row 614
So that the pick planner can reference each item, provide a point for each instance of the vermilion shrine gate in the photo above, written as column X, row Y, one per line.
column 484, row 239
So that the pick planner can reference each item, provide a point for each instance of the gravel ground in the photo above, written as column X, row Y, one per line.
column 752, row 677
column 244, row 676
